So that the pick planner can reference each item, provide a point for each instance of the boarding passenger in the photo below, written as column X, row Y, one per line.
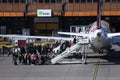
column 15, row 55
column 74, row 40
column 39, row 57
column 0, row 52
column 29, row 58
column 42, row 59
column 69, row 43
column 23, row 51
column 63, row 46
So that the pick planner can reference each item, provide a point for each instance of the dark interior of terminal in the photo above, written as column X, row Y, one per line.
column 17, row 15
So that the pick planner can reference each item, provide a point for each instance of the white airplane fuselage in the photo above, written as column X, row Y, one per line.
column 98, row 37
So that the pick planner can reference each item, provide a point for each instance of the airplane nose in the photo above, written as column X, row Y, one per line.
column 98, row 34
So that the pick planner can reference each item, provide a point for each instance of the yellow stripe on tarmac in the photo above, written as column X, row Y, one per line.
column 96, row 68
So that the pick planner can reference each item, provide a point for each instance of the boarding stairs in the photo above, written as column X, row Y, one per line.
column 65, row 53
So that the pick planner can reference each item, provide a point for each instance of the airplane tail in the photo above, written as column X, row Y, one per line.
column 99, row 8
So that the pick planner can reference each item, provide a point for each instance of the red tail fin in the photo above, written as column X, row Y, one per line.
column 99, row 6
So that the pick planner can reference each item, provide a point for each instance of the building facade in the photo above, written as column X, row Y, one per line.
column 16, row 15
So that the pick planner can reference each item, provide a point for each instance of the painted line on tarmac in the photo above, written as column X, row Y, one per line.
column 96, row 68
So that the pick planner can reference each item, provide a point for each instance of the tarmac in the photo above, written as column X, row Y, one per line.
column 98, row 67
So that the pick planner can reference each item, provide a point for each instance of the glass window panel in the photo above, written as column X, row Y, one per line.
column 10, row 1
column 47, row 1
column 52, row 1
column 71, row 1
column 114, row 0
column 107, row 0
column 83, row 0
column 89, row 0
column 94, row 0
column 40, row 1
column 22, row 1
column 16, row 1
column 4, row 1
column 77, row 1
column 34, row 1
column 59, row 1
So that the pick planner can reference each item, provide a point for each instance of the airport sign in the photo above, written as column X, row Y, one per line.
column 44, row 12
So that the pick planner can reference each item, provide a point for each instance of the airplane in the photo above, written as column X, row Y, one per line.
column 99, row 35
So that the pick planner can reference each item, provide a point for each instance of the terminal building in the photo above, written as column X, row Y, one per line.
column 46, row 17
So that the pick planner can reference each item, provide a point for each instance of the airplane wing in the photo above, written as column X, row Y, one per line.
column 38, row 37
column 49, row 37
column 116, row 40
column 75, row 34
column 113, row 34
column 115, row 37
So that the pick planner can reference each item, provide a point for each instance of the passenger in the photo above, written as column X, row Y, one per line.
column 63, row 46
column 69, row 44
column 46, row 47
column 8, row 51
column 15, row 55
column 74, row 40
column 14, row 59
column 19, row 55
column 42, row 59
column 0, row 52
column 3, row 50
column 18, row 51
column 32, row 58
column 25, row 59
column 29, row 58
column 23, row 51
column 35, row 59
column 39, row 57
column 39, row 49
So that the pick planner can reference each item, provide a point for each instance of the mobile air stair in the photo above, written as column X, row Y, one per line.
column 65, row 53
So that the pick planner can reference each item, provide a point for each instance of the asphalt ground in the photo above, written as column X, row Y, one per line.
column 98, row 67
